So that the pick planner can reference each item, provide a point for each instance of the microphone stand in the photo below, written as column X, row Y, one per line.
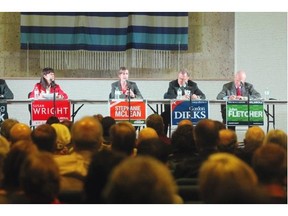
column 129, row 101
column 53, row 85
column 248, row 108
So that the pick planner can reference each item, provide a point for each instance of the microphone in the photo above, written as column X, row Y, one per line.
column 241, row 83
column 52, row 82
column 128, row 84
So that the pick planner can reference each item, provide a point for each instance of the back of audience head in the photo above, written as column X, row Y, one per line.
column 4, row 149
column 40, row 178
column 52, row 119
column 206, row 135
column 182, row 139
column 226, row 179
column 107, row 123
column 44, row 137
column 185, row 122
column 123, row 137
column 13, row 161
column 141, row 180
column 270, row 163
column 227, row 141
column 276, row 136
column 155, row 121
column 6, row 126
column 67, row 123
column 20, row 131
column 63, row 137
column 146, row 133
column 87, row 134
column 254, row 138
column 155, row 148
column 102, row 164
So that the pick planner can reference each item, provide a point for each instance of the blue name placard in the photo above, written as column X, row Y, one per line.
column 194, row 110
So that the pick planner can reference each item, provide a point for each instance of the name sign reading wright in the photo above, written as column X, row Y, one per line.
column 41, row 110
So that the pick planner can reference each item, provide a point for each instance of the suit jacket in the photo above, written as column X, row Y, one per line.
column 174, row 86
column 5, row 91
column 132, row 85
column 230, row 89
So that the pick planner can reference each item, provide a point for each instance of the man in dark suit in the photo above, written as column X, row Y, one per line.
column 237, row 90
column 189, row 90
column 5, row 93
column 126, row 88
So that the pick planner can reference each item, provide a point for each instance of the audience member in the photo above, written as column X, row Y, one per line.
column 127, row 88
column 155, row 121
column 11, row 169
column 146, row 133
column 102, row 164
column 276, row 136
column 44, row 137
column 184, row 149
column 67, row 123
column 63, row 139
column 141, row 180
column 47, row 85
column 40, row 179
column 6, row 126
column 225, row 179
column 270, row 164
column 123, row 138
column 107, row 123
column 20, row 131
column 52, row 119
column 254, row 138
column 206, row 136
column 155, row 148
column 4, row 149
column 227, row 141
column 189, row 89
column 86, row 135
column 185, row 122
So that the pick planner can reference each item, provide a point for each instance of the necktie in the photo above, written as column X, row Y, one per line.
column 238, row 91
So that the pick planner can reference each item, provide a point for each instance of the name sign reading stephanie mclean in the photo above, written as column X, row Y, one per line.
column 41, row 110
column 119, row 110
column 194, row 110
column 237, row 112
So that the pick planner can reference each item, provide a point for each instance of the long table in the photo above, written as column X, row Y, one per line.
column 159, row 107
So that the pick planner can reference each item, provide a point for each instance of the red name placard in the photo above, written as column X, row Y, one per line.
column 41, row 110
column 119, row 110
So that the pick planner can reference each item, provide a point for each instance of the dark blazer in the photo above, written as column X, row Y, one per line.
column 5, row 92
column 174, row 86
column 132, row 85
column 230, row 89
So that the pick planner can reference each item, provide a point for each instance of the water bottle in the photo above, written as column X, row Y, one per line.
column 117, row 93
column 179, row 93
column 36, row 93
column 266, row 94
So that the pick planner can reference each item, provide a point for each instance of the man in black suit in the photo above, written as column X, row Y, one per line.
column 126, row 88
column 5, row 93
column 188, row 88
column 237, row 90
